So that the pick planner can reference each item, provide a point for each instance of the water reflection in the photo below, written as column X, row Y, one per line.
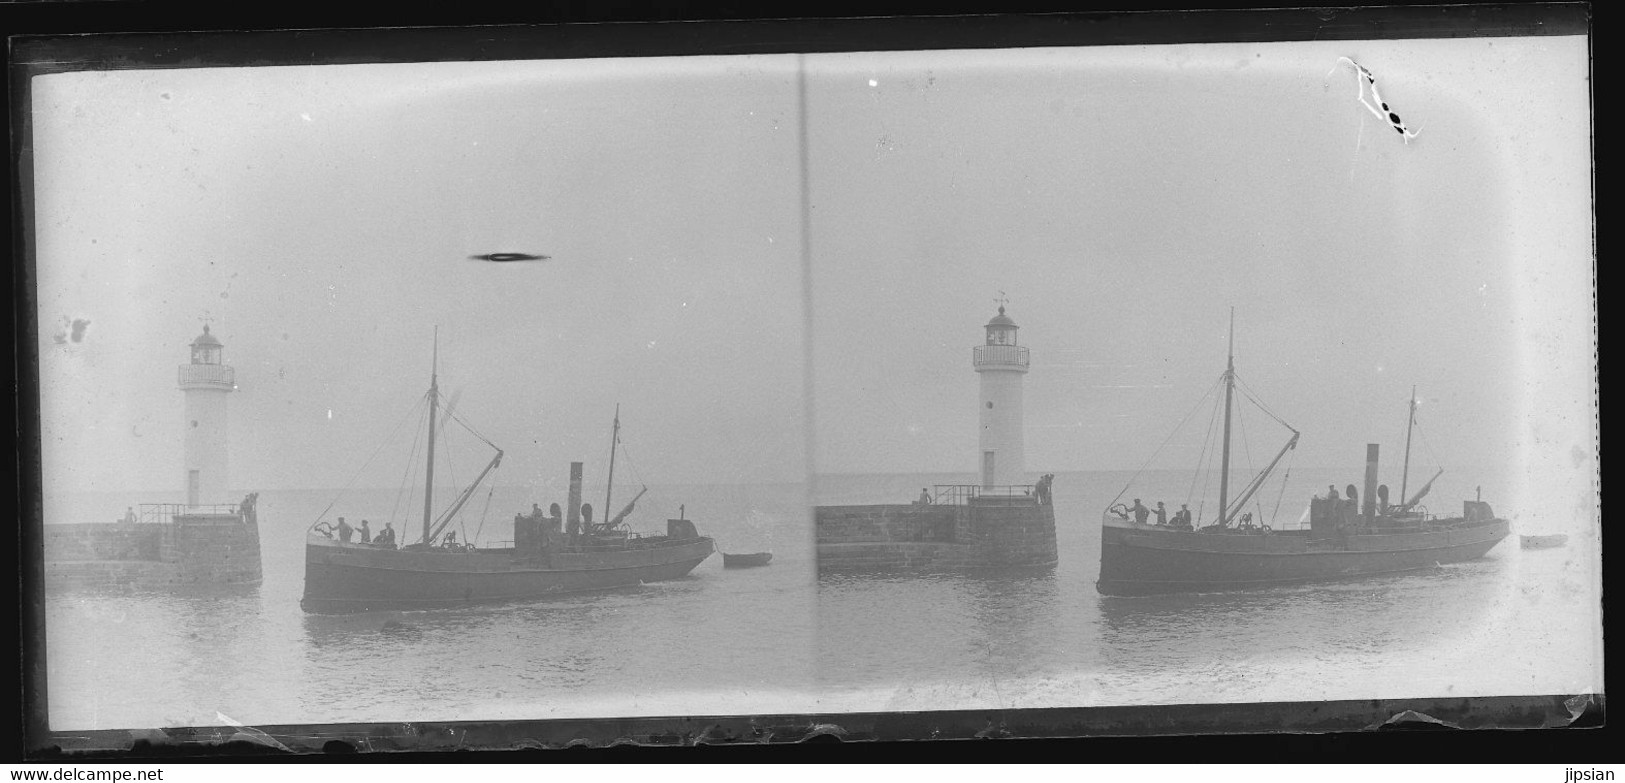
column 1409, row 611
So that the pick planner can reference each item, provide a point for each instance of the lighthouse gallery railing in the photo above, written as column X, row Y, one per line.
column 999, row 354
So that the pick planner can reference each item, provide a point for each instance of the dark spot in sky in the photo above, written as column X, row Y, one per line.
column 504, row 257
column 61, row 338
column 1393, row 118
column 1385, row 107
column 1399, row 130
column 165, row 96
column 79, row 325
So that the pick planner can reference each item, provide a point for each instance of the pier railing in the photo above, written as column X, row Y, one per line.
column 963, row 494
column 165, row 513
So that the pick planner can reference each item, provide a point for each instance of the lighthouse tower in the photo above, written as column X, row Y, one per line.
column 1002, row 364
column 206, row 381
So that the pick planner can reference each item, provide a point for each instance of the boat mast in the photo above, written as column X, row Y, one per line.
column 1411, row 422
column 614, row 441
column 1229, row 387
column 434, row 402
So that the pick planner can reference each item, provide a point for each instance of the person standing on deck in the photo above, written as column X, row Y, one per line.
column 344, row 531
column 387, row 535
column 1162, row 514
column 1182, row 517
column 1140, row 512
column 366, row 532
column 1331, row 492
column 1353, row 494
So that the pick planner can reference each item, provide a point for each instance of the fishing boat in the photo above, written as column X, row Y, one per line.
column 1234, row 549
column 550, row 552
column 750, row 560
column 1543, row 542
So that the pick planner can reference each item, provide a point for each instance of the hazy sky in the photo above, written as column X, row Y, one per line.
column 1125, row 198
column 324, row 216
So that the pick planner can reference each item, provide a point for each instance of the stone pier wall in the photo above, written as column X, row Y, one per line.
column 200, row 549
column 935, row 538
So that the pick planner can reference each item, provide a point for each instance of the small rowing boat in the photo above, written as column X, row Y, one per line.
column 751, row 560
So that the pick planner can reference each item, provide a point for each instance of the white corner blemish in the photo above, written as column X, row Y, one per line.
column 874, row 83
column 306, row 117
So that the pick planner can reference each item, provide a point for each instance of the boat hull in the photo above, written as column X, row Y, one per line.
column 1145, row 560
column 346, row 578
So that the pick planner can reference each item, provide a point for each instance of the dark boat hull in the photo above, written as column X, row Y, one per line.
column 1143, row 560
column 751, row 560
column 342, row 578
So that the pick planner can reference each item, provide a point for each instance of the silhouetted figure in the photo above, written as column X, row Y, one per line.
column 249, row 509
column 1382, row 498
column 1331, row 492
column 366, row 532
column 586, row 516
column 451, row 540
column 129, row 515
column 925, row 497
column 1044, row 482
column 535, row 511
column 1182, row 517
column 345, row 531
column 1353, row 494
column 1140, row 512
column 1162, row 514
column 387, row 535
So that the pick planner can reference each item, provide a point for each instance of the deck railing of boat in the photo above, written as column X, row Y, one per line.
column 963, row 494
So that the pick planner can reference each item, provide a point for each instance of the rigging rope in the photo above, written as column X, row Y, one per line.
column 411, row 464
column 1203, row 466
column 1248, row 392
column 487, row 510
column 1164, row 445
column 358, row 472
column 1276, row 514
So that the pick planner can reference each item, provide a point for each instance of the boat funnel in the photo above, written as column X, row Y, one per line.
column 573, row 510
column 1370, row 508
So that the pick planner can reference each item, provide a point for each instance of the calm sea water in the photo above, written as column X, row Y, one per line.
column 719, row 641
column 782, row 639
column 1515, row 622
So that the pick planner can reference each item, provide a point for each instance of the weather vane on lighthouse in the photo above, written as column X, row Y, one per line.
column 1001, row 301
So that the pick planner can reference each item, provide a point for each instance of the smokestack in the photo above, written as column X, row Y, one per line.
column 573, row 510
column 1370, row 507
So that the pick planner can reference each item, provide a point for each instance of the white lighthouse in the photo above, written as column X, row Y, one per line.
column 206, row 381
column 1002, row 363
